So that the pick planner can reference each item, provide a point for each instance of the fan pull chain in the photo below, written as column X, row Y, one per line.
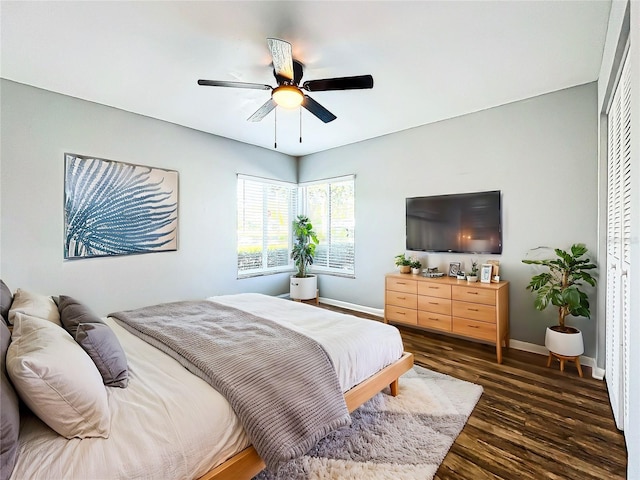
column 300, row 110
column 275, row 129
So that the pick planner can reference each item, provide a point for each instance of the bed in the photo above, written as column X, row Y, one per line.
column 168, row 423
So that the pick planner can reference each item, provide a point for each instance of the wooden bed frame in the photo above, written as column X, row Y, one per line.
column 247, row 463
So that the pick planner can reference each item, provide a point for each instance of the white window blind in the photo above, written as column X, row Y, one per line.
column 266, row 209
column 330, row 206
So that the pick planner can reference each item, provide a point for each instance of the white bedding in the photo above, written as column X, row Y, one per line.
column 358, row 347
column 170, row 424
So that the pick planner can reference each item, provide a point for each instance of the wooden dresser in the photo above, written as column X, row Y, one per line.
column 477, row 310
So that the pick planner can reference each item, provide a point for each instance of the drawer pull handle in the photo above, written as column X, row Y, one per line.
column 435, row 288
column 472, row 309
column 472, row 293
column 434, row 319
column 402, row 298
column 401, row 313
column 434, row 303
column 401, row 283
column 473, row 326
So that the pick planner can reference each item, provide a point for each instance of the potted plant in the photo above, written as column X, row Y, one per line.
column 415, row 266
column 403, row 263
column 560, row 286
column 303, row 286
column 473, row 274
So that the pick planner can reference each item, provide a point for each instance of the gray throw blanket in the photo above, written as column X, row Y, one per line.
column 281, row 384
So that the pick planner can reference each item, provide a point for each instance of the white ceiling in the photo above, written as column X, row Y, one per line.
column 430, row 60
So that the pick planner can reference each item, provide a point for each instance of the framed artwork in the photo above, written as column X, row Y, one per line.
column 115, row 208
column 454, row 268
column 485, row 273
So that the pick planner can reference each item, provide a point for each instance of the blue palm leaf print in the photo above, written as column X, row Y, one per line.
column 114, row 208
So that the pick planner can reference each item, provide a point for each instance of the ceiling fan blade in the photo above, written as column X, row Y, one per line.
column 341, row 83
column 262, row 111
column 318, row 110
column 282, row 57
column 220, row 83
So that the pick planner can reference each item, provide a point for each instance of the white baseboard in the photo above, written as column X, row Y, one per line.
column 378, row 312
column 596, row 372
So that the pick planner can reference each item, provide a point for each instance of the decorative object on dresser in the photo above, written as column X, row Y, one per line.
column 303, row 286
column 560, row 286
column 454, row 269
column 485, row 273
column 478, row 311
column 403, row 263
column 416, row 265
column 473, row 273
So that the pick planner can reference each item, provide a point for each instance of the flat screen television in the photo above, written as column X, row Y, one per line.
column 460, row 223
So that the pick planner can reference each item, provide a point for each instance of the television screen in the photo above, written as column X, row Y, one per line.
column 461, row 223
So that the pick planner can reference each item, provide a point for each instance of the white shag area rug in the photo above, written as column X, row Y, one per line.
column 392, row 438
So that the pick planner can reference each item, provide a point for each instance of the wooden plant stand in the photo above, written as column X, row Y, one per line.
column 563, row 359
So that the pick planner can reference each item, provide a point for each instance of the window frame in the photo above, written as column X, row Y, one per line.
column 293, row 205
column 303, row 209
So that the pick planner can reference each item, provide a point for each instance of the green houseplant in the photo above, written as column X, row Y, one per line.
column 560, row 286
column 403, row 263
column 473, row 274
column 303, row 285
column 416, row 265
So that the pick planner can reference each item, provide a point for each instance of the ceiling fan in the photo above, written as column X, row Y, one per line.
column 288, row 93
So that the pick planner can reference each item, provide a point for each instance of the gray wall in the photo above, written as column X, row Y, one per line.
column 38, row 127
column 529, row 150
column 541, row 153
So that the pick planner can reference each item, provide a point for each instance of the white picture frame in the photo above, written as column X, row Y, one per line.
column 485, row 273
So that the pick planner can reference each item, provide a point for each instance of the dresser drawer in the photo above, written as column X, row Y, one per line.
column 476, row 295
column 400, row 299
column 474, row 329
column 400, row 314
column 434, row 304
column 402, row 285
column 474, row 311
column 434, row 289
column 434, row 320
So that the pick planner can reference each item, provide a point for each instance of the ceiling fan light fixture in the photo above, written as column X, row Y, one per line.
column 287, row 96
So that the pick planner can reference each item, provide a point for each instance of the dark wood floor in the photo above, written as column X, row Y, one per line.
column 532, row 422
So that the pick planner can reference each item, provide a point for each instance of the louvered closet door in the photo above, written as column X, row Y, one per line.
column 619, row 247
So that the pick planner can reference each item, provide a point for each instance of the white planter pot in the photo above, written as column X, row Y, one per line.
column 472, row 278
column 303, row 288
column 415, row 271
column 565, row 344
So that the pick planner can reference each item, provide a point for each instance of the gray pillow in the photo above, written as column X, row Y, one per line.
column 73, row 313
column 6, row 298
column 102, row 345
column 9, row 413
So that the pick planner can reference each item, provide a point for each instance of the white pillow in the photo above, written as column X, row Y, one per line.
column 57, row 380
column 35, row 305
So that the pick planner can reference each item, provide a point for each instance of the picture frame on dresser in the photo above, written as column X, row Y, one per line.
column 485, row 273
column 454, row 268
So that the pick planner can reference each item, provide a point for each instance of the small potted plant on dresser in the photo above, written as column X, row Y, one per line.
column 403, row 263
column 303, row 286
column 560, row 286
column 473, row 274
column 416, row 265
